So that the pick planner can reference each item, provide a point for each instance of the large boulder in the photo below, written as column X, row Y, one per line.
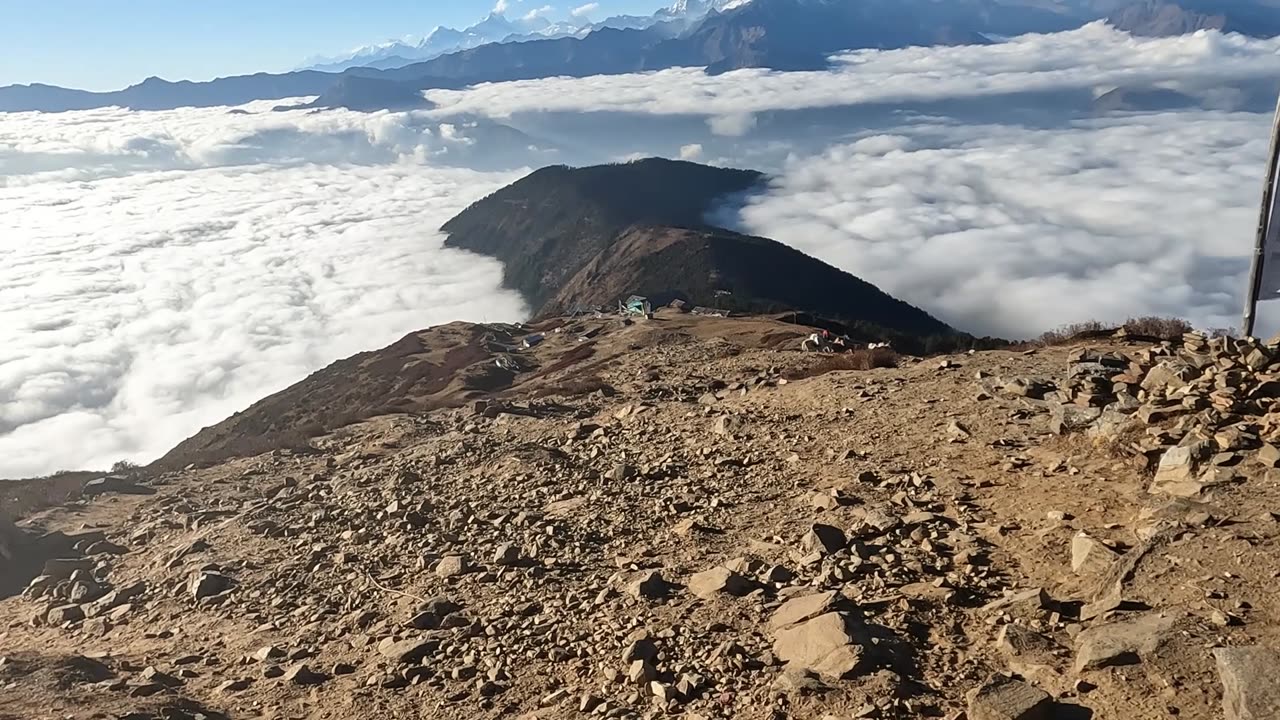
column 1250, row 685
column 829, row 645
column 1121, row 643
column 1004, row 698
column 815, row 633
column 1089, row 557
column 717, row 581
column 797, row 610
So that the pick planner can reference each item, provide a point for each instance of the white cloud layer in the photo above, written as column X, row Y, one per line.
column 159, row 271
column 692, row 151
column 1042, row 211
column 1095, row 55
column 1011, row 231
column 538, row 12
column 585, row 10
column 137, row 307
column 732, row 124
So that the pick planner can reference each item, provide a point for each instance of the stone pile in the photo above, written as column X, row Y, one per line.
column 73, row 590
column 1194, row 411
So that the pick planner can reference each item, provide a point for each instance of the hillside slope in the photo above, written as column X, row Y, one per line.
column 447, row 366
column 549, row 224
column 751, row 274
column 440, row 367
column 698, row 522
column 591, row 236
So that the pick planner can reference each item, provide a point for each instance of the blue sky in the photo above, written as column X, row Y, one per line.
column 108, row 44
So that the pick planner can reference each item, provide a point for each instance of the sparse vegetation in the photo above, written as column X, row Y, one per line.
column 1151, row 326
column 1073, row 331
column 125, row 467
column 856, row 360
column 1165, row 328
column 573, row 387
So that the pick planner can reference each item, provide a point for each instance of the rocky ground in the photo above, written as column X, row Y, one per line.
column 696, row 522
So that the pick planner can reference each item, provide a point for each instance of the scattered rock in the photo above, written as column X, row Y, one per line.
column 1018, row 641
column 205, row 585
column 301, row 674
column 452, row 566
column 506, row 555
column 800, row 609
column 1250, row 683
column 270, row 652
column 716, row 581
column 105, row 547
column 151, row 675
column 65, row 614
column 649, row 585
column 1031, row 600
column 1121, row 643
column 826, row 539
column 232, row 686
column 1004, row 698
column 1065, row 419
column 407, row 652
column 641, row 672
column 641, row 649
column 725, row 425
column 1089, row 556
column 827, row 645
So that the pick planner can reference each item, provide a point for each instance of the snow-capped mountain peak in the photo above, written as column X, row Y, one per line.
column 497, row 27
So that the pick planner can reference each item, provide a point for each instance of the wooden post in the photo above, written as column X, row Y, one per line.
column 1265, row 217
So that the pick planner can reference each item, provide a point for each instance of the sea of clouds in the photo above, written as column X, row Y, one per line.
column 981, row 183
column 161, row 270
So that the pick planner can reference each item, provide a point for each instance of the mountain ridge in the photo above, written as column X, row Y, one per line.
column 497, row 28
column 571, row 237
column 777, row 34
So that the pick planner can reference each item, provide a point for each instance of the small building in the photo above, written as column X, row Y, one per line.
column 637, row 305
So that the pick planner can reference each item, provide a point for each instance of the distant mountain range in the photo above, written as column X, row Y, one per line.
column 493, row 28
column 497, row 28
column 1160, row 18
column 720, row 35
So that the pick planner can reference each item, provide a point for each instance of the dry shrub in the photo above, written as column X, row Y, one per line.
column 872, row 359
column 856, row 360
column 1165, row 328
column 1151, row 326
column 573, row 387
column 1069, row 333
column 1120, row 445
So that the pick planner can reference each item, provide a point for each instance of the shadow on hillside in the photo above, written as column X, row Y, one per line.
column 23, row 555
